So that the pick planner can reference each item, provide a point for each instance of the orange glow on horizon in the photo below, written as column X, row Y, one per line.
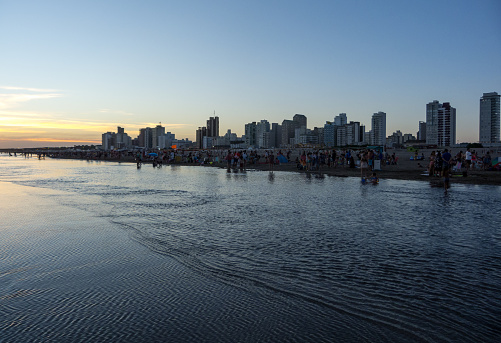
column 51, row 140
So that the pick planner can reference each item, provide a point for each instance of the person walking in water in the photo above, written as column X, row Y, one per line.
column 271, row 159
column 446, row 158
column 363, row 166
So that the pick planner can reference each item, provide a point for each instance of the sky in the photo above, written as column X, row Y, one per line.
column 72, row 70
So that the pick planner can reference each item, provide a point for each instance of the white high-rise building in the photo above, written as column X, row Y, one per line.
column 440, row 124
column 378, row 128
column 489, row 118
column 262, row 128
column 446, row 125
column 341, row 119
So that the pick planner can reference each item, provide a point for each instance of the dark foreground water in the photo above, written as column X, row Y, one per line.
column 106, row 252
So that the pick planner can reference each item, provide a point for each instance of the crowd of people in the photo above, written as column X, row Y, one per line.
column 460, row 163
column 305, row 159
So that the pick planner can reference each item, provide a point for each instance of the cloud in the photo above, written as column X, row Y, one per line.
column 11, row 100
column 29, row 89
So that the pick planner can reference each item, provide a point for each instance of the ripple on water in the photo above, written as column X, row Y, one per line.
column 400, row 261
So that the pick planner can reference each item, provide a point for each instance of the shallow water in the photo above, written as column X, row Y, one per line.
column 263, row 257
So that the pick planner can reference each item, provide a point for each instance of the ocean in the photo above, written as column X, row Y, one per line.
column 104, row 251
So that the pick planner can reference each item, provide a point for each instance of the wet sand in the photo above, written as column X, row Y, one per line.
column 70, row 276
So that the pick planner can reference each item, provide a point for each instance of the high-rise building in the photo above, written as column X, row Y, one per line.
column 489, row 118
column 250, row 134
column 112, row 140
column 262, row 128
column 421, row 135
column 353, row 133
column 329, row 134
column 275, row 135
column 440, row 124
column 200, row 134
column 213, row 127
column 158, row 131
column 340, row 135
column 300, row 119
column 341, row 119
column 362, row 135
column 446, row 125
column 108, row 141
column 145, row 138
column 378, row 128
column 432, row 122
column 288, row 127
column 122, row 140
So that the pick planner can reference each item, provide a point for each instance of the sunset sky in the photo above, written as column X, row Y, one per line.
column 71, row 70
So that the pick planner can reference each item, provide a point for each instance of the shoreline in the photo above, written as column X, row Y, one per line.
column 405, row 169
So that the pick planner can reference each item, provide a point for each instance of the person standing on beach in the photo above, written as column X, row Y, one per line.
column 370, row 159
column 446, row 158
column 446, row 164
column 271, row 159
column 363, row 165
column 229, row 157
column 438, row 163
column 468, row 158
column 431, row 165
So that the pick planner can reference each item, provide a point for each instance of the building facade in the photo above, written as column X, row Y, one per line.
column 213, row 127
column 440, row 124
column 262, row 136
column 489, row 131
column 378, row 128
column 341, row 119
column 421, row 134
column 432, row 122
column 119, row 140
column 329, row 134
column 288, row 128
column 200, row 134
column 446, row 125
column 300, row 119
column 250, row 134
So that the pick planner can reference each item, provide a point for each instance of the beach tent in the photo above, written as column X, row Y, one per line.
column 282, row 159
column 496, row 162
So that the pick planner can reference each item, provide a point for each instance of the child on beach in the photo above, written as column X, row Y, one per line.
column 374, row 179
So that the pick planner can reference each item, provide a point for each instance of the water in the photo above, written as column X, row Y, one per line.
column 243, row 256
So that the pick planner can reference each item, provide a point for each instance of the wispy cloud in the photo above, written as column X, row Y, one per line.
column 12, row 100
column 29, row 89
column 24, row 94
column 45, row 121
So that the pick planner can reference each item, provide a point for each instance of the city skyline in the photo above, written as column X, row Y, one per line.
column 72, row 72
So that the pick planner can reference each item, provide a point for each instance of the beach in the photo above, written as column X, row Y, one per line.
column 406, row 167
